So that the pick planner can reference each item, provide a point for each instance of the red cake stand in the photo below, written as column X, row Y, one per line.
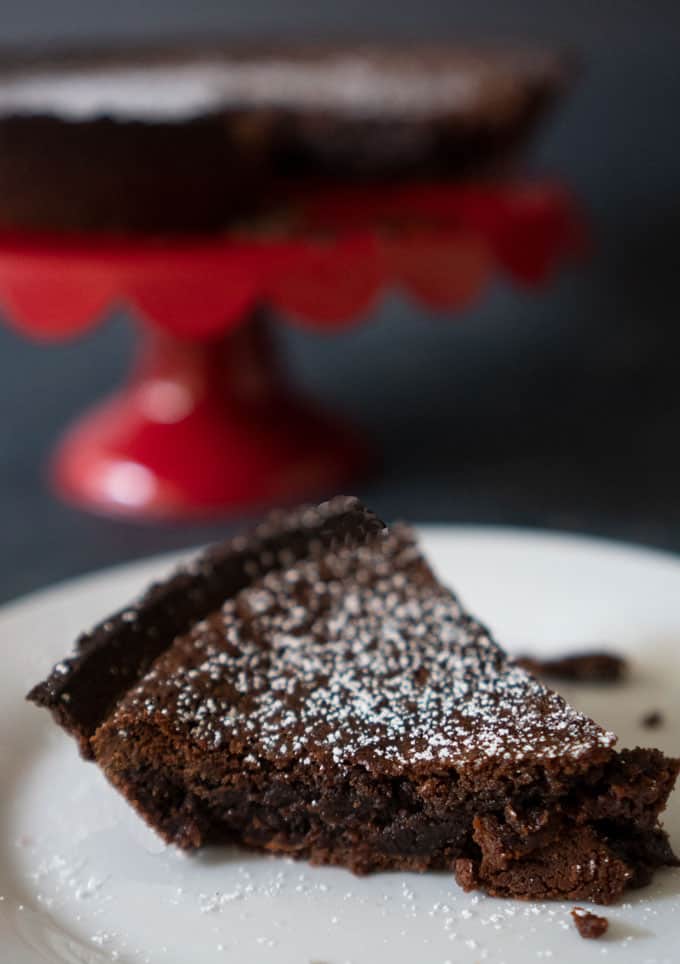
column 207, row 422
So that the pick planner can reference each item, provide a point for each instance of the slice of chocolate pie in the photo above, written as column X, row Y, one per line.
column 314, row 690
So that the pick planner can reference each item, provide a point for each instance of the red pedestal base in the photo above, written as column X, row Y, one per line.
column 200, row 426
column 207, row 423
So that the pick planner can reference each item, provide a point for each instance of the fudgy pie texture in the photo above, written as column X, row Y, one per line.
column 338, row 704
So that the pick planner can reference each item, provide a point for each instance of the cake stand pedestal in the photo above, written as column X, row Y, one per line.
column 202, row 425
column 207, row 422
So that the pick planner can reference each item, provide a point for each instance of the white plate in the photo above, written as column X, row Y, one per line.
column 82, row 880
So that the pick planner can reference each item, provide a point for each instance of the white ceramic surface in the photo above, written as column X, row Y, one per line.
column 82, row 880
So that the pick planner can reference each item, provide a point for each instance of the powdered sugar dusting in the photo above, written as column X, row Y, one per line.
column 346, row 82
column 357, row 657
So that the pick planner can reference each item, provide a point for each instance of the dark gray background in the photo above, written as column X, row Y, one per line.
column 557, row 409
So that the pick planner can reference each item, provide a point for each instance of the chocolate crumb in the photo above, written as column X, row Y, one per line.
column 653, row 719
column 592, row 667
column 590, row 926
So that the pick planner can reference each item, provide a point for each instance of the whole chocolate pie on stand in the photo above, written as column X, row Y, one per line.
column 211, row 188
column 191, row 139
